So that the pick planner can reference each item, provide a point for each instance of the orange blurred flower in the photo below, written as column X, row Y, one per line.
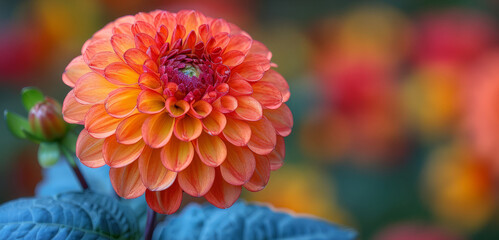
column 178, row 102
column 459, row 188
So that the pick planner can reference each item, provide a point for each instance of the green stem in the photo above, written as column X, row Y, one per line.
column 71, row 160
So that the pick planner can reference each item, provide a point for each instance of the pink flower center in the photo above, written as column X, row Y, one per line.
column 194, row 72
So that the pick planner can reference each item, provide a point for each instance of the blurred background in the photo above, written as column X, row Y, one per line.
column 396, row 104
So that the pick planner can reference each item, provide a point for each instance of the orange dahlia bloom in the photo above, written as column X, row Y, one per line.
column 178, row 102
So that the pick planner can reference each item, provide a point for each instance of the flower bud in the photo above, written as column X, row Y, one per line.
column 46, row 120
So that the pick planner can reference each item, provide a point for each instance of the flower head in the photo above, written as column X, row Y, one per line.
column 178, row 102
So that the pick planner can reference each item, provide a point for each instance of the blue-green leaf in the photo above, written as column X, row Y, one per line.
column 17, row 125
column 246, row 222
column 83, row 215
column 31, row 96
column 48, row 154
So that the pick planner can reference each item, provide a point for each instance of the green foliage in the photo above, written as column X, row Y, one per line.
column 17, row 124
column 31, row 96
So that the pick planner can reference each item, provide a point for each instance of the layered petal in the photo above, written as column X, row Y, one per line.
column 154, row 175
column 73, row 111
column 281, row 119
column 89, row 150
column 263, row 137
column 211, row 150
column 214, row 123
column 276, row 157
column 176, row 108
column 93, row 88
column 222, row 194
column 188, row 128
column 267, row 95
column 167, row 201
column 177, row 155
column 278, row 81
column 197, row 179
column 248, row 108
column 126, row 181
column 157, row 129
column 150, row 102
column 75, row 69
column 118, row 155
column 237, row 132
column 98, row 122
column 121, row 74
column 127, row 131
column 239, row 166
column 122, row 102
column 261, row 176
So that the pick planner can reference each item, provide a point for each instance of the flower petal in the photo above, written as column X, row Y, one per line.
column 101, row 60
column 276, row 157
column 152, row 172
column 167, row 201
column 258, row 48
column 248, row 109
column 150, row 81
column 214, row 123
column 143, row 27
column 211, row 150
column 239, row 42
column 263, row 137
column 129, row 131
column 176, row 108
column 233, row 58
column 119, row 155
column 96, row 46
column 190, row 19
column 261, row 175
column 150, row 102
column 225, row 104
column 121, row 43
column 239, row 166
column 157, row 130
column 281, row 119
column 187, row 128
column 237, row 132
column 278, row 81
column 121, row 102
column 222, row 194
column 93, row 88
column 89, row 150
column 176, row 155
column 240, row 87
column 248, row 70
column 200, row 109
column 267, row 95
column 98, row 122
column 135, row 58
column 122, row 74
column 75, row 69
column 126, row 181
column 197, row 179
column 73, row 111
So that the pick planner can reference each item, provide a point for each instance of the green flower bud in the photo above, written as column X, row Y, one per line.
column 45, row 119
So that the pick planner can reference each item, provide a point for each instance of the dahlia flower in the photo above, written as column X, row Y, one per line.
column 178, row 102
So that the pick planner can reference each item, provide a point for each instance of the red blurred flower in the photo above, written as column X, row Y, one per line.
column 178, row 102
column 457, row 36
